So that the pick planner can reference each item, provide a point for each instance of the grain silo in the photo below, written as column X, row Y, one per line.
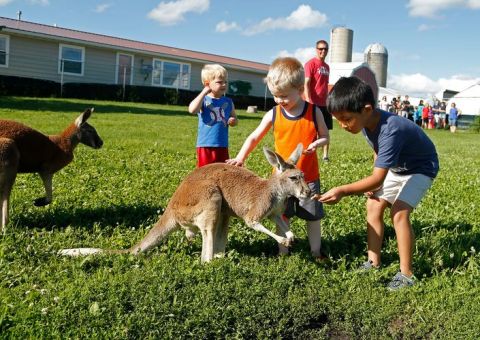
column 341, row 40
column 376, row 56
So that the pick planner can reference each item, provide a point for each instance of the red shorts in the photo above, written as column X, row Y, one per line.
column 208, row 155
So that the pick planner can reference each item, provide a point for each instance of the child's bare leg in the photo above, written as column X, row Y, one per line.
column 405, row 236
column 314, row 233
column 375, row 228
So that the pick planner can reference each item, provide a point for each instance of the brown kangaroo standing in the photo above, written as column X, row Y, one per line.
column 210, row 195
column 25, row 150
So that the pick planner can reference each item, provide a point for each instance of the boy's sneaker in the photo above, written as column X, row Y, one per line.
column 326, row 159
column 400, row 281
column 367, row 266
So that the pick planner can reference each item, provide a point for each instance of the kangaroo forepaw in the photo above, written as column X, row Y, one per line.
column 41, row 202
column 287, row 242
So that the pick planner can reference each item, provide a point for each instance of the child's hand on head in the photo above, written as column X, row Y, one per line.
column 206, row 88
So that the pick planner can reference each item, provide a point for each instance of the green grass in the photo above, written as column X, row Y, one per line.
column 112, row 196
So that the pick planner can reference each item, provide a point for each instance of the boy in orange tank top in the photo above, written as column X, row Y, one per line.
column 294, row 121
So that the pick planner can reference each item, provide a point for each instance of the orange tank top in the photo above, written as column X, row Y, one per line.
column 289, row 131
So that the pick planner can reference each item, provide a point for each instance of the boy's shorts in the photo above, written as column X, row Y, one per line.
column 406, row 188
column 306, row 209
column 208, row 155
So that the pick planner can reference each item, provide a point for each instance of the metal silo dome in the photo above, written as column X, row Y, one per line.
column 376, row 56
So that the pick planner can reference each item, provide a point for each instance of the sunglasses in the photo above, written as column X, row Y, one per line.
column 322, row 48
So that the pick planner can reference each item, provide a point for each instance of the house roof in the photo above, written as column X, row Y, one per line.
column 65, row 34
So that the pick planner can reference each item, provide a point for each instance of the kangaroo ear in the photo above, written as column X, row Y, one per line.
column 274, row 159
column 83, row 117
column 295, row 156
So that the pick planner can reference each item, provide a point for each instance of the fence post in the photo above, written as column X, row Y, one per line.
column 62, row 65
column 124, row 80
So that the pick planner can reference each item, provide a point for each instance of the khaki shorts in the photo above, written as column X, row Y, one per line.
column 406, row 188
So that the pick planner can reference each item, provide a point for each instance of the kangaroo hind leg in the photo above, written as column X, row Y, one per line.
column 221, row 235
column 9, row 161
column 208, row 221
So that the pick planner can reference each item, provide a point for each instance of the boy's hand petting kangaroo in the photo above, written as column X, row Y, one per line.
column 25, row 150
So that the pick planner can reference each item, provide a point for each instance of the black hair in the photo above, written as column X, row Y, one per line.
column 350, row 94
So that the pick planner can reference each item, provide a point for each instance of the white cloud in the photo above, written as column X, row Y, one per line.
column 430, row 8
column 301, row 18
column 224, row 26
column 421, row 86
column 40, row 2
column 5, row 2
column 170, row 13
column 302, row 54
column 102, row 8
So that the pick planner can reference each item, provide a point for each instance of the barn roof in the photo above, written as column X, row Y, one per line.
column 60, row 33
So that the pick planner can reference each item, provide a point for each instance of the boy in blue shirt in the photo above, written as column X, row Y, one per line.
column 215, row 114
column 405, row 164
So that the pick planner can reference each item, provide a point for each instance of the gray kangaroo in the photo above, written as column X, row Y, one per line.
column 210, row 195
column 25, row 150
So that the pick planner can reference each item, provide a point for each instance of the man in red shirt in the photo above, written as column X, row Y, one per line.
column 317, row 73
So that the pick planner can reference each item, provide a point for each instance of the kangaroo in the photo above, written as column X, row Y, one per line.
column 25, row 150
column 210, row 195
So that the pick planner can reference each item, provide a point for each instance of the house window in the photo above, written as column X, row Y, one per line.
column 124, row 68
column 4, row 50
column 171, row 74
column 71, row 59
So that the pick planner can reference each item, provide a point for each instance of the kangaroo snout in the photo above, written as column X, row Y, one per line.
column 98, row 144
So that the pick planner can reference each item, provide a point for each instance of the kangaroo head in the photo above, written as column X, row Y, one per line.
column 85, row 132
column 291, row 180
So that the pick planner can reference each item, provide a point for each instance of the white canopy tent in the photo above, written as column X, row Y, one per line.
column 467, row 101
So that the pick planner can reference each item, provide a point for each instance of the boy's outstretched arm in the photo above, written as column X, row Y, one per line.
column 196, row 104
column 252, row 140
column 372, row 182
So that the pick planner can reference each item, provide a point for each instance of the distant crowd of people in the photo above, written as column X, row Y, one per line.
column 425, row 115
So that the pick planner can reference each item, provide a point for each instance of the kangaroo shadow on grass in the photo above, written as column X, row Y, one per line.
column 132, row 216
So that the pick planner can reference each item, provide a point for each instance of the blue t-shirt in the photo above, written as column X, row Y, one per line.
column 453, row 113
column 213, row 122
column 402, row 146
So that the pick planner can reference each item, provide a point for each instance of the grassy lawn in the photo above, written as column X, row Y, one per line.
column 112, row 196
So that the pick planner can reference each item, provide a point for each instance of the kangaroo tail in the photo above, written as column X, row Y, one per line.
column 160, row 230
column 165, row 225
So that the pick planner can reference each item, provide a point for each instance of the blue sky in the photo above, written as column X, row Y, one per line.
column 432, row 44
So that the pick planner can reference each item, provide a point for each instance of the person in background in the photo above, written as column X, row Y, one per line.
column 405, row 108
column 443, row 115
column 417, row 115
column 317, row 75
column 402, row 172
column 215, row 114
column 425, row 113
column 393, row 106
column 293, row 121
column 383, row 104
column 453, row 115
column 436, row 113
